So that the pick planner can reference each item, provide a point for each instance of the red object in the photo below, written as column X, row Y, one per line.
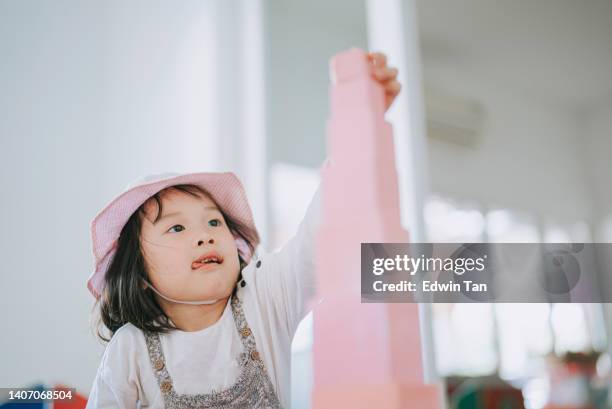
column 78, row 401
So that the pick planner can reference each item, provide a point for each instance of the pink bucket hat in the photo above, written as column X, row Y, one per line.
column 224, row 188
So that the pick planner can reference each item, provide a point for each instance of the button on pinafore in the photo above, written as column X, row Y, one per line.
column 252, row 389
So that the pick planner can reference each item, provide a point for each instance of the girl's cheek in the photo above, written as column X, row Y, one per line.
column 161, row 260
column 171, row 264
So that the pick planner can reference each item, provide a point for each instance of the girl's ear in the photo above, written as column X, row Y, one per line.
column 244, row 251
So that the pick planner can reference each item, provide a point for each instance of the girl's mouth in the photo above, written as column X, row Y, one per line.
column 207, row 262
column 205, row 266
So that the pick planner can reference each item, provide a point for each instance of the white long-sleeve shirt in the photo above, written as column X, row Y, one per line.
column 275, row 299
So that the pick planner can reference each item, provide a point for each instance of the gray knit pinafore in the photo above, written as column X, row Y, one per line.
column 252, row 389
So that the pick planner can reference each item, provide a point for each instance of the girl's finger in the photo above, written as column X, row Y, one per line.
column 393, row 88
column 391, row 94
column 385, row 74
column 379, row 59
column 389, row 100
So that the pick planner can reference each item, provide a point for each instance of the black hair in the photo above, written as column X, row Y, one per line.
column 124, row 299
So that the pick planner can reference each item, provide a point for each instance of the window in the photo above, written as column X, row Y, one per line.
column 512, row 339
column 463, row 333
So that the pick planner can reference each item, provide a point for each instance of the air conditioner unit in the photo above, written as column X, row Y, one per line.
column 453, row 119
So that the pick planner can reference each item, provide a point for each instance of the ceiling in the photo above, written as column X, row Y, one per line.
column 558, row 49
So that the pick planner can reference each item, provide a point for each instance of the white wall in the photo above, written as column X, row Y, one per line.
column 93, row 96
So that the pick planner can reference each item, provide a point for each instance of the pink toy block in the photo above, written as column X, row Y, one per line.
column 365, row 354
column 349, row 66
column 349, row 97
column 337, row 265
column 388, row 396
column 377, row 352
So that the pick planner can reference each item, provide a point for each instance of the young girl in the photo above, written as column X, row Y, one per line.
column 196, row 317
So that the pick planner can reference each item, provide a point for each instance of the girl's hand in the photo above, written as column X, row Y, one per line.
column 386, row 76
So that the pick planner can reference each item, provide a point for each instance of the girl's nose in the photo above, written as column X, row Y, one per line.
column 210, row 241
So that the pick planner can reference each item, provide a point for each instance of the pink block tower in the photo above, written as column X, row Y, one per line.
column 364, row 354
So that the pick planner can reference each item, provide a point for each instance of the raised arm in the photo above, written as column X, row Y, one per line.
column 289, row 273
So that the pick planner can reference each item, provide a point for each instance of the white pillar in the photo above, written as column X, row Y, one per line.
column 253, row 131
column 241, row 96
column 392, row 29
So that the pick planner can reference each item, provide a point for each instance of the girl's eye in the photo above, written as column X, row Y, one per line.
column 215, row 222
column 181, row 228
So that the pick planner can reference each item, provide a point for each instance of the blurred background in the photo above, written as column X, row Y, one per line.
column 503, row 133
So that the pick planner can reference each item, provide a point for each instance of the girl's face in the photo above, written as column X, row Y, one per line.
column 188, row 229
